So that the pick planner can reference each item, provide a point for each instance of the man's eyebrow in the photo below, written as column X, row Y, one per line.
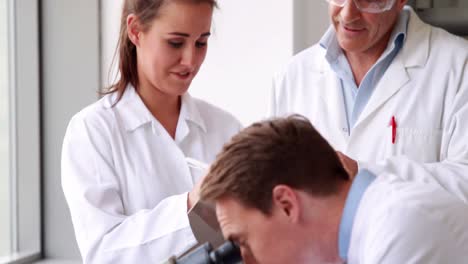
column 206, row 34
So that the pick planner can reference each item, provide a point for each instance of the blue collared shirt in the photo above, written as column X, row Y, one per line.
column 356, row 98
column 360, row 184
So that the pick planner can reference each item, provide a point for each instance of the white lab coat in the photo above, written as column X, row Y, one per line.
column 411, row 222
column 425, row 88
column 126, row 180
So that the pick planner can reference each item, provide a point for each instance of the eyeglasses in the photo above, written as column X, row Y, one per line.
column 368, row 6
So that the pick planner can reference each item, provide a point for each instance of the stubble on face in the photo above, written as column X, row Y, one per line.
column 362, row 33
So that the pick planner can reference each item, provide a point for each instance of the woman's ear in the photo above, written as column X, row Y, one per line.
column 285, row 199
column 133, row 29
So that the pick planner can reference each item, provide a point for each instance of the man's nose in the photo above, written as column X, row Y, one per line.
column 350, row 12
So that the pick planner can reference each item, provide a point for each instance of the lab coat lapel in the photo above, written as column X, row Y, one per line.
column 394, row 78
column 188, row 113
column 183, row 129
column 332, row 96
column 414, row 53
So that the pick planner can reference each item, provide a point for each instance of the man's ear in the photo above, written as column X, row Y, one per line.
column 133, row 29
column 286, row 200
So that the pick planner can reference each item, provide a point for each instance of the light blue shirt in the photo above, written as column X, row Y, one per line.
column 356, row 98
column 360, row 184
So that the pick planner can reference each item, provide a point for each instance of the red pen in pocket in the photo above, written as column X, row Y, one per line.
column 394, row 128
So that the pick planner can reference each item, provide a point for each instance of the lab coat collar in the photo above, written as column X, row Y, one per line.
column 330, row 44
column 134, row 113
column 415, row 51
column 360, row 184
column 190, row 112
column 130, row 108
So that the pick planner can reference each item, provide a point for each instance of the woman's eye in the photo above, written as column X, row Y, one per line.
column 175, row 44
column 200, row 44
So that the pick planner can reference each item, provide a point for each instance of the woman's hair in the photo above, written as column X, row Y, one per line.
column 146, row 12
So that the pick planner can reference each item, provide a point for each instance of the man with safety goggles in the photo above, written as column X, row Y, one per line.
column 367, row 6
column 388, row 92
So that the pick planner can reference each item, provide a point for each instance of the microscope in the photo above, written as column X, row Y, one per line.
column 227, row 253
column 206, row 229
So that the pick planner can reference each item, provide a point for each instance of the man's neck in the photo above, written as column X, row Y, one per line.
column 164, row 107
column 362, row 61
column 328, row 226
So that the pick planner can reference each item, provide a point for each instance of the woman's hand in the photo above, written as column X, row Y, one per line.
column 194, row 195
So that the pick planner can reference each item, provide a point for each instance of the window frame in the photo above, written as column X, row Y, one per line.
column 25, row 144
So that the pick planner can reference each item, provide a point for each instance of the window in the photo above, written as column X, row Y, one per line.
column 4, row 134
column 20, row 225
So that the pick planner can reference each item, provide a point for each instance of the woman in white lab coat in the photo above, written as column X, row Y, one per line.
column 124, row 172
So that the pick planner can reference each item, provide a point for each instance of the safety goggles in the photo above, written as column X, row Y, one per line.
column 367, row 6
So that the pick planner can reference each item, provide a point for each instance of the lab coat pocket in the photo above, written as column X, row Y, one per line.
column 422, row 145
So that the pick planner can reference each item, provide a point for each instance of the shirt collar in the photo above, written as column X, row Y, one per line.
column 398, row 35
column 330, row 44
column 333, row 49
column 135, row 114
column 360, row 184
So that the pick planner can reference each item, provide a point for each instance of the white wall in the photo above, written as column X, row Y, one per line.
column 311, row 20
column 70, row 81
column 110, row 25
column 251, row 40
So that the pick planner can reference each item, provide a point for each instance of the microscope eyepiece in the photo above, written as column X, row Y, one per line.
column 227, row 253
